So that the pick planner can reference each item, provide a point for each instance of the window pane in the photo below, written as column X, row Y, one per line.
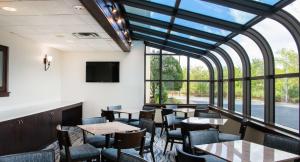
column 152, row 67
column 283, row 45
column 151, row 50
column 148, row 35
column 254, row 54
column 257, row 99
column 152, row 92
column 192, row 37
column 225, row 95
column 294, row 9
column 164, row 2
column 201, row 27
column 174, row 93
column 269, row 2
column 238, row 67
column 198, row 70
column 146, row 13
column 287, row 102
column 167, row 52
column 216, row 93
column 223, row 63
column 217, row 11
column 238, row 96
column 188, row 45
column 174, row 67
column 147, row 26
column 199, row 93
column 214, row 67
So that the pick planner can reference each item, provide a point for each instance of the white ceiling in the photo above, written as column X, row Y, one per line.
column 52, row 22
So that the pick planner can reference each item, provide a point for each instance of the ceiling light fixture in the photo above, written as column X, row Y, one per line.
column 78, row 7
column 10, row 9
column 119, row 21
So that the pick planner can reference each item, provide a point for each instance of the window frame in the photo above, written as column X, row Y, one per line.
column 4, row 88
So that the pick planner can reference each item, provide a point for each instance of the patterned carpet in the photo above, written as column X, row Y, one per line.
column 76, row 138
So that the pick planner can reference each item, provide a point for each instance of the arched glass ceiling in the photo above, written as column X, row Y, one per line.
column 185, row 44
column 192, row 37
column 254, row 54
column 283, row 45
column 214, row 67
column 148, row 35
column 223, row 63
column 269, row 2
column 198, row 70
column 164, row 2
column 146, row 13
column 294, row 9
column 148, row 26
column 238, row 66
column 217, row 11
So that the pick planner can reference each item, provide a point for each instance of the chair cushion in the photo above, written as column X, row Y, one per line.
column 175, row 133
column 211, row 158
column 84, row 151
column 134, row 123
column 223, row 137
column 112, row 153
column 98, row 141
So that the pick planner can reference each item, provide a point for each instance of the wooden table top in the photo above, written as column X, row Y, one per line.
column 108, row 128
column 244, row 151
column 211, row 121
column 184, row 110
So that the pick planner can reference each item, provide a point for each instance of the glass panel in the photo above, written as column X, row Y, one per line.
column 152, row 67
column 254, row 54
column 216, row 93
column 283, row 45
column 174, row 67
column 257, row 99
column 1, row 68
column 151, row 50
column 188, row 45
column 174, row 93
column 192, row 37
column 238, row 96
column 214, row 67
column 269, row 2
column 294, row 9
column 148, row 26
column 217, row 11
column 223, row 63
column 201, row 27
column 199, row 93
column 238, row 67
column 198, row 70
column 167, row 52
column 164, row 2
column 148, row 35
column 287, row 102
column 146, row 13
column 225, row 95
column 152, row 92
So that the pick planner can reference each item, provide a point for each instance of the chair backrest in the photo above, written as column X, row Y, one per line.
column 108, row 114
column 146, row 107
column 64, row 141
column 282, row 143
column 37, row 156
column 170, row 120
column 150, row 114
column 130, row 158
column 149, row 125
column 209, row 115
column 171, row 106
column 186, row 157
column 203, row 137
column 115, row 107
column 198, row 111
column 129, row 140
column 93, row 120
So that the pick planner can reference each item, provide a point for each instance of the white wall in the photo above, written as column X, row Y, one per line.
column 129, row 92
column 29, row 84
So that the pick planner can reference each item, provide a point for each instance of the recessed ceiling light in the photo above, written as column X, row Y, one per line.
column 78, row 7
column 11, row 9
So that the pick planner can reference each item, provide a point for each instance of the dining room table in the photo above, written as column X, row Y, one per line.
column 245, row 151
column 186, row 111
column 130, row 112
column 107, row 129
column 205, row 121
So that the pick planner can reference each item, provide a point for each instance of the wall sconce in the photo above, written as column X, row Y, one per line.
column 47, row 62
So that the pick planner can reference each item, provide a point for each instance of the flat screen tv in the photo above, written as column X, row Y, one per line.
column 102, row 71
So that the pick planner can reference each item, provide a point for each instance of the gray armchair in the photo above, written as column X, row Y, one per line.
column 38, row 156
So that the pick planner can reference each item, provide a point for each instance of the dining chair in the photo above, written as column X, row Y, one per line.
column 98, row 141
column 171, row 106
column 69, row 153
column 165, row 112
column 198, row 111
column 282, row 143
column 115, row 107
column 109, row 115
column 173, row 134
column 149, row 114
column 223, row 137
column 124, row 157
column 186, row 157
column 202, row 137
column 125, row 142
column 36, row 156
column 147, row 107
column 149, row 125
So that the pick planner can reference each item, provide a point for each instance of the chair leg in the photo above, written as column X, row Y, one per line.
column 162, row 130
column 166, row 146
column 172, row 142
column 152, row 154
